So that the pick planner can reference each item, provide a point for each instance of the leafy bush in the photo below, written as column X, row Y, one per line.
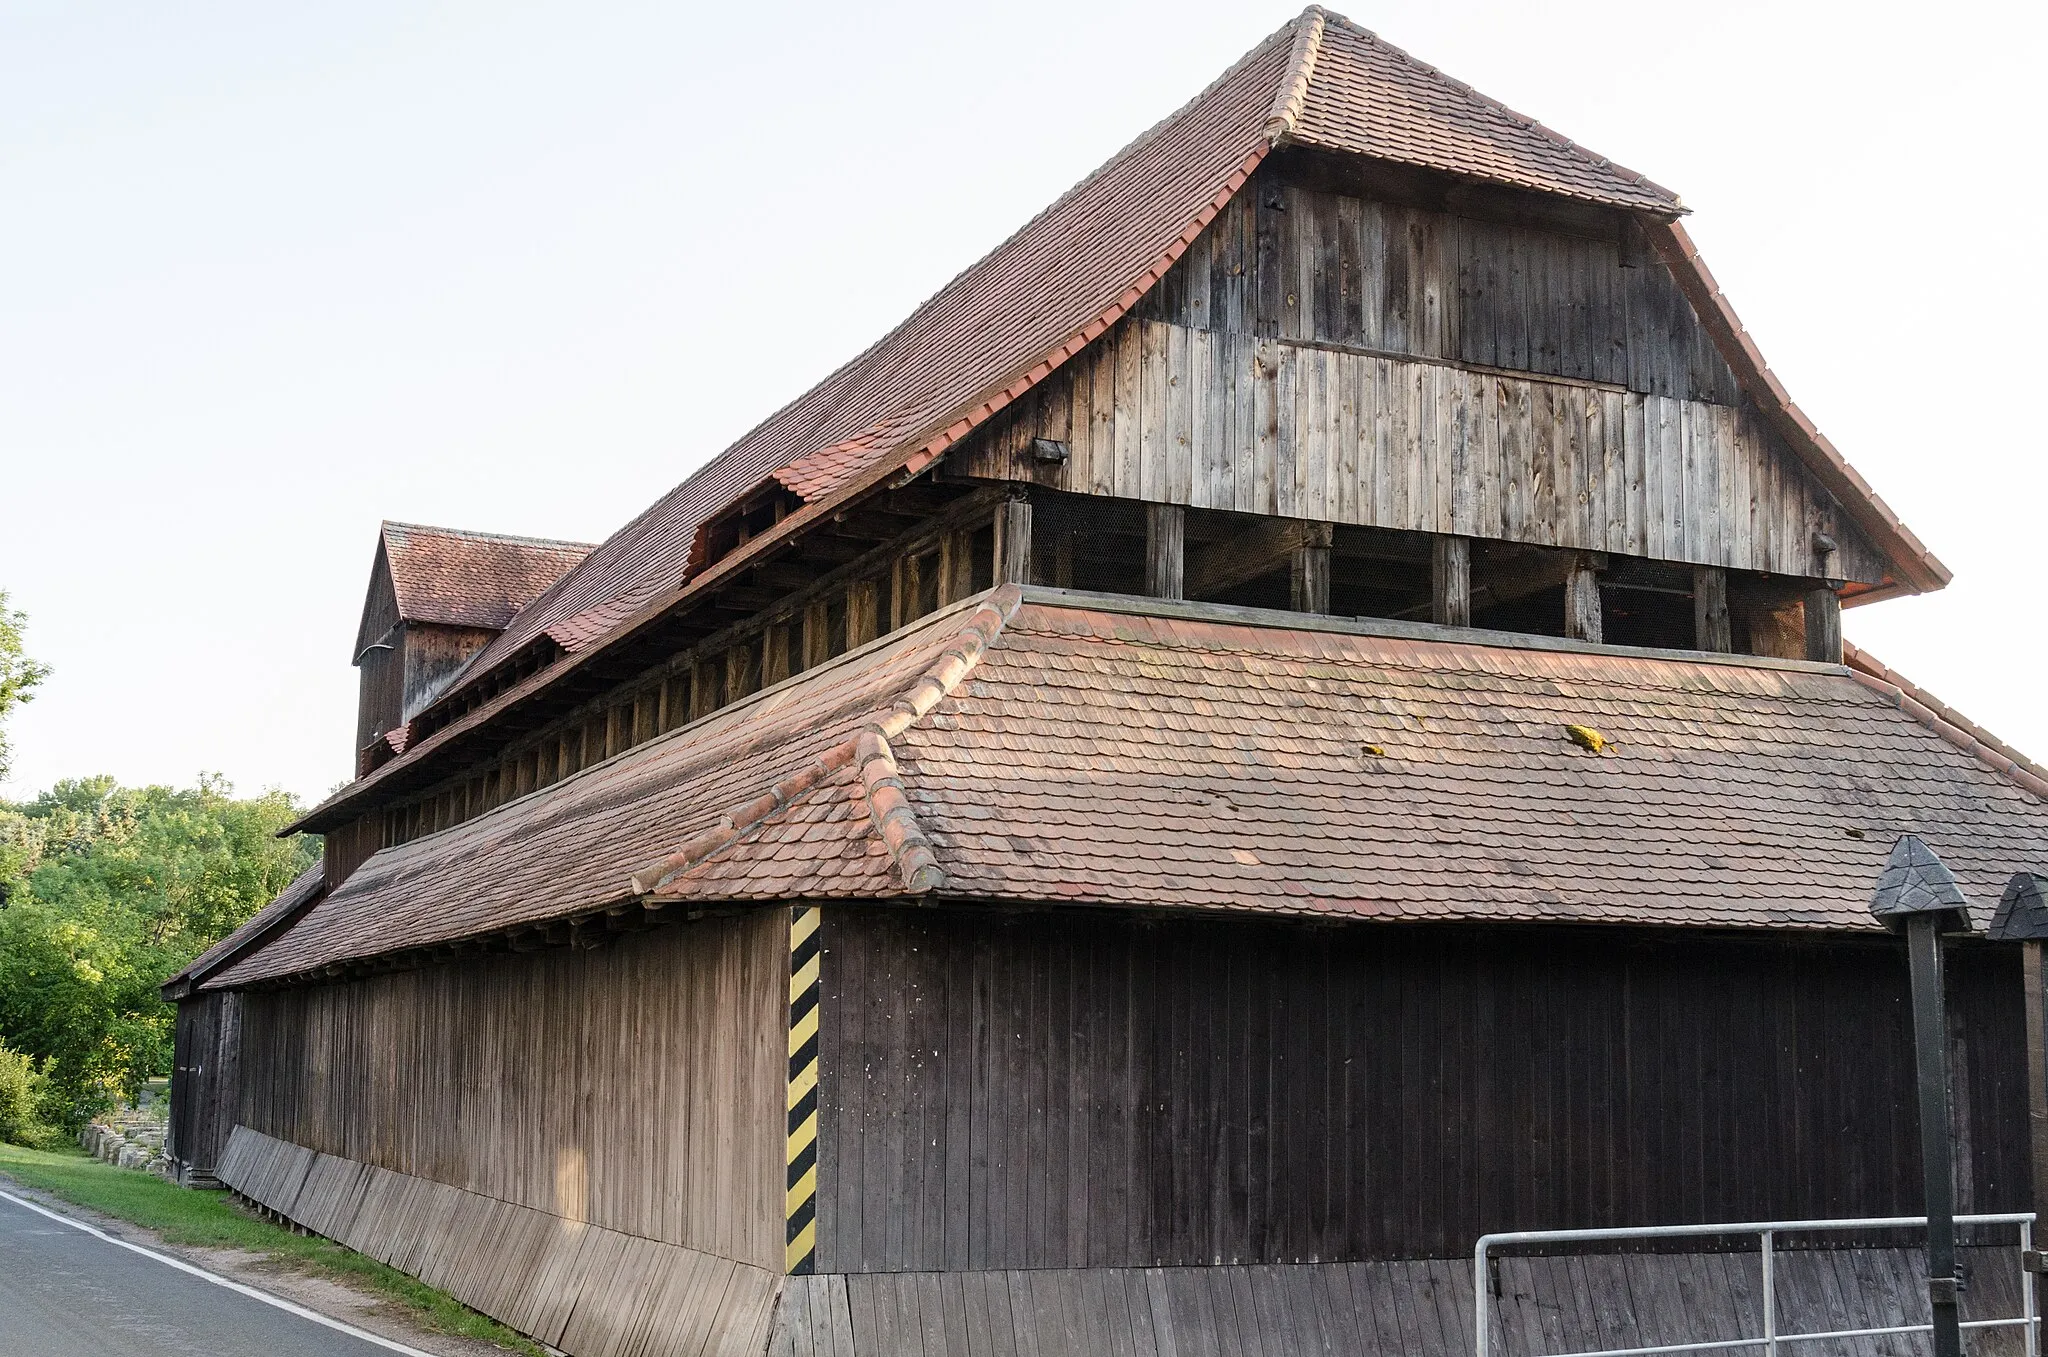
column 22, row 1091
column 105, row 893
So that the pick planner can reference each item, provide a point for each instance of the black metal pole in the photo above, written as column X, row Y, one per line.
column 2037, row 1107
column 1930, row 1041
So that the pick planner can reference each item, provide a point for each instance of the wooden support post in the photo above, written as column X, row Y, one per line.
column 1013, row 542
column 1824, row 626
column 1582, row 602
column 775, row 654
column 1450, row 581
column 1930, row 1045
column 1166, row 535
column 1063, row 561
column 902, row 591
column 705, row 682
column 1711, row 627
column 817, row 640
column 956, row 566
column 1309, row 570
column 863, row 607
column 1309, row 580
column 741, row 677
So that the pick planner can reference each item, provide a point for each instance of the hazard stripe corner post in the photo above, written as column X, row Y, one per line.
column 801, row 1255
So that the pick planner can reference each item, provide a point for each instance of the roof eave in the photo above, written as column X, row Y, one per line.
column 910, row 458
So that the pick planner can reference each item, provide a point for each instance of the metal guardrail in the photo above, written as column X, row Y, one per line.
column 1770, row 1341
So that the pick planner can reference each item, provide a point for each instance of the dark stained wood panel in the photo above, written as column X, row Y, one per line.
column 638, row 1087
column 208, row 1046
column 1082, row 1090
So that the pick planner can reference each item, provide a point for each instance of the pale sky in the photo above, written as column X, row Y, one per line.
column 272, row 272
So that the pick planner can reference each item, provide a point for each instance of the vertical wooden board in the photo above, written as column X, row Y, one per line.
column 1377, row 446
column 1546, row 457
column 1456, row 488
column 1290, row 226
column 1211, row 486
column 1517, row 457
column 1372, row 275
column 1078, row 380
column 1634, row 487
column 1397, row 281
column 1286, row 447
column 1266, row 413
column 1179, row 442
column 1426, row 231
column 1346, row 462
column 1128, row 404
column 1415, row 474
column 1154, row 433
column 1243, row 376
column 1312, row 442
column 1102, row 422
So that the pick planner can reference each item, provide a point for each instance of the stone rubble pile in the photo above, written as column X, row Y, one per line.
column 128, row 1138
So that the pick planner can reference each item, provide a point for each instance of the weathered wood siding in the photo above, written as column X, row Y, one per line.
column 1315, row 265
column 432, row 654
column 1321, row 356
column 582, row 1288
column 638, row 1087
column 1082, row 1090
column 208, row 1044
column 1221, row 420
column 1391, row 1309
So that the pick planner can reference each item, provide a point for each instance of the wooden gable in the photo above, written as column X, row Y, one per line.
column 1339, row 351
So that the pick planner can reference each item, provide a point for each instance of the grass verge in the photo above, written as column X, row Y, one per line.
column 212, row 1220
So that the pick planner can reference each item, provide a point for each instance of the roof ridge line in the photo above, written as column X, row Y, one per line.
column 1452, row 82
column 478, row 535
column 1945, row 721
column 910, row 852
column 1301, row 64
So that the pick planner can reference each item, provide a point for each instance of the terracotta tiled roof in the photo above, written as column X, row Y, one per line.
column 1366, row 96
column 1070, row 269
column 1010, row 320
column 304, row 889
column 471, row 579
column 573, row 847
column 1080, row 749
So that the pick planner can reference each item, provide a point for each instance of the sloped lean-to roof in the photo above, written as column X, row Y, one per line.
column 1014, row 317
column 1034, row 746
column 257, row 929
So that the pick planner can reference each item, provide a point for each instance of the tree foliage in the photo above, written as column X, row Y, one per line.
column 19, row 674
column 110, row 891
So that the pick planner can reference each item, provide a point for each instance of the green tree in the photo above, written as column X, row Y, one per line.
column 19, row 674
column 110, row 891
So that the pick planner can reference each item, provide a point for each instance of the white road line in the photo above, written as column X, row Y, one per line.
column 218, row 1280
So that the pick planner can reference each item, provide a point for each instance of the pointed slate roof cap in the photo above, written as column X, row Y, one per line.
column 2023, row 910
column 1915, row 881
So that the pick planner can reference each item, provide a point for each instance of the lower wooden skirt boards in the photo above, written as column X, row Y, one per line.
column 591, row 1291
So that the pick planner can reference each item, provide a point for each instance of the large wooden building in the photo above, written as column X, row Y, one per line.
column 1292, row 716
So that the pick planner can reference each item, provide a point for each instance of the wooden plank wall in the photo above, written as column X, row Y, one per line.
column 208, row 1044
column 1091, row 1090
column 1217, row 420
column 639, row 1086
column 1362, row 362
column 1387, row 1309
column 582, row 1288
column 1339, row 269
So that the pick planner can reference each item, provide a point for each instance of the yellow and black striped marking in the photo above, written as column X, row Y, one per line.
column 802, row 1253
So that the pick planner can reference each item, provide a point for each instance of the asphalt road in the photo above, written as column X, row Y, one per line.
column 67, row 1293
